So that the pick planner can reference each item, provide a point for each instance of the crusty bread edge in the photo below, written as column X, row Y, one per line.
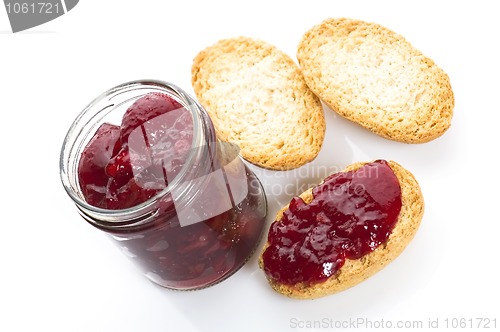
column 355, row 271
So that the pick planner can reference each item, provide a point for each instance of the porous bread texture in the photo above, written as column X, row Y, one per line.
column 376, row 78
column 355, row 271
column 257, row 98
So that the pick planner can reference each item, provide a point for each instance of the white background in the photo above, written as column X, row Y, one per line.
column 60, row 274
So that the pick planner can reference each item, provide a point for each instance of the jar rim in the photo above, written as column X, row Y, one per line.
column 68, row 172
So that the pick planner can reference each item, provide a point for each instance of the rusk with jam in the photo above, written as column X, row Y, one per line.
column 355, row 271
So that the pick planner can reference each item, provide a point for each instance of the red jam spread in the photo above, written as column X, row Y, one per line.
column 123, row 166
column 350, row 215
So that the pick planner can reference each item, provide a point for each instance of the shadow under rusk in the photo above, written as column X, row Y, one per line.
column 337, row 151
column 432, row 157
column 282, row 186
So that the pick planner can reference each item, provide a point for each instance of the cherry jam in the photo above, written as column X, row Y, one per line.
column 350, row 215
column 151, row 173
column 123, row 166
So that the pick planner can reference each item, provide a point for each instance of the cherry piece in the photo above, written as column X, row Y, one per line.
column 93, row 161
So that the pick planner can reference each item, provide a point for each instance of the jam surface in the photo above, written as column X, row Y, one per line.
column 351, row 214
column 123, row 166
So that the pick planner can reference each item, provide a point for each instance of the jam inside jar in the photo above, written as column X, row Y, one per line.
column 143, row 164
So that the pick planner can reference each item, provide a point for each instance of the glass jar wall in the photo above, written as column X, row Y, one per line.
column 178, row 202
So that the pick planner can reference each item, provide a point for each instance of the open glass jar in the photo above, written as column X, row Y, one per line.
column 200, row 223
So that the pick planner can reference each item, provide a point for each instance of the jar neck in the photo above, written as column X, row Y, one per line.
column 199, row 161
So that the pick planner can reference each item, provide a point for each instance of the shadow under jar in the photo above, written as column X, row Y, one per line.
column 143, row 164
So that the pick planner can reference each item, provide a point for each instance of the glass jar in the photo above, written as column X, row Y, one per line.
column 203, row 225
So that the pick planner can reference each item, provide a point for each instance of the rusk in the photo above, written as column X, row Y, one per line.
column 258, row 99
column 376, row 78
column 355, row 271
